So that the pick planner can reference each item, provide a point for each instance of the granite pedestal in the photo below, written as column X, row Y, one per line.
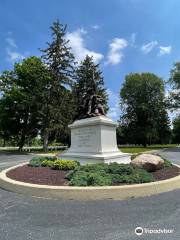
column 93, row 140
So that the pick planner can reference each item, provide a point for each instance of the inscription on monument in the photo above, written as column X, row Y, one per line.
column 85, row 137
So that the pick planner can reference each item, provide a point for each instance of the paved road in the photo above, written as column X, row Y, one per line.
column 172, row 154
column 8, row 159
column 26, row 218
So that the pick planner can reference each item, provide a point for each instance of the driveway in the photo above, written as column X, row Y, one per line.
column 27, row 218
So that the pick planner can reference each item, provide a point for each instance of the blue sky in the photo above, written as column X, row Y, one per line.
column 123, row 35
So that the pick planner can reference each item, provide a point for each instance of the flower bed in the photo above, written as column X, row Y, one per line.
column 63, row 173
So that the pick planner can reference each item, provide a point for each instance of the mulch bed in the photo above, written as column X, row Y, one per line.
column 38, row 175
column 166, row 173
column 47, row 176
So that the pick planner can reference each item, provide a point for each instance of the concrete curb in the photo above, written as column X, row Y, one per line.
column 87, row 193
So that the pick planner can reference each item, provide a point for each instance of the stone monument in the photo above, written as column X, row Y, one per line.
column 93, row 135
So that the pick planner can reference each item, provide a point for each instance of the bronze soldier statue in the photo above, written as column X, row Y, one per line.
column 92, row 103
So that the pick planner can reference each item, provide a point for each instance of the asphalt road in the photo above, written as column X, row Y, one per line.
column 172, row 154
column 25, row 218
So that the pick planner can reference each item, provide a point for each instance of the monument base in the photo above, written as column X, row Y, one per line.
column 85, row 158
column 93, row 140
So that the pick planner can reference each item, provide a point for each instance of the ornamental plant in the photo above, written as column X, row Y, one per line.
column 64, row 164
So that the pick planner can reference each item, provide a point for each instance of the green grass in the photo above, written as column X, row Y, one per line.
column 38, row 151
column 145, row 149
column 136, row 149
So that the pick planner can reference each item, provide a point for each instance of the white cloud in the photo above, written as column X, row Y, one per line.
column 14, row 56
column 95, row 27
column 133, row 39
column 114, row 109
column 77, row 43
column 11, row 42
column 164, row 50
column 147, row 48
column 113, row 113
column 115, row 54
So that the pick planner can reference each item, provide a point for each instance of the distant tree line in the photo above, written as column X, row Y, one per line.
column 40, row 96
column 144, row 119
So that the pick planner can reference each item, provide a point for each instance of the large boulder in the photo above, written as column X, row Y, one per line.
column 149, row 162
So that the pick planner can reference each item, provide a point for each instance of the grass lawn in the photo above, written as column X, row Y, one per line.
column 145, row 149
column 136, row 149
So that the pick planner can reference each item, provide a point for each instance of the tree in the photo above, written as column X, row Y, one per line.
column 85, row 73
column 176, row 130
column 144, row 115
column 22, row 99
column 175, row 82
column 60, row 63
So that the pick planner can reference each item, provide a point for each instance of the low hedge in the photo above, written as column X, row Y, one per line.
column 47, row 163
column 37, row 161
column 64, row 164
column 104, row 175
column 81, row 178
column 112, row 168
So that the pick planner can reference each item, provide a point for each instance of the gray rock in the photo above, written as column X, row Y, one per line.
column 149, row 162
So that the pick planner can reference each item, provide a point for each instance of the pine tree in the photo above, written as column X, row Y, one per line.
column 60, row 63
column 85, row 72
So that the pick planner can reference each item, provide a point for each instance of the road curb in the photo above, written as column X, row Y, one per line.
column 87, row 193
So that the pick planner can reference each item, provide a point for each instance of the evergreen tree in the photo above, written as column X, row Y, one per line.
column 85, row 72
column 60, row 63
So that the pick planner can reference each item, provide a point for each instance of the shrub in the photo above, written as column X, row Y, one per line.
column 79, row 178
column 104, row 174
column 113, row 168
column 64, row 165
column 82, row 178
column 122, row 169
column 51, row 158
column 98, row 167
column 47, row 163
column 138, row 176
column 69, row 175
column 96, row 179
column 167, row 163
column 116, row 178
column 36, row 161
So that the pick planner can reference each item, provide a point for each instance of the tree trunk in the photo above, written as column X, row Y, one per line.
column 145, row 145
column 45, row 140
column 22, row 141
column 4, row 142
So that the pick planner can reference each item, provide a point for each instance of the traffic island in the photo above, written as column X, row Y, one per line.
column 63, row 191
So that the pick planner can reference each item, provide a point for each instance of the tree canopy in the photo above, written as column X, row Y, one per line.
column 41, row 96
column 21, row 101
column 144, row 119
column 176, row 130
column 175, row 82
